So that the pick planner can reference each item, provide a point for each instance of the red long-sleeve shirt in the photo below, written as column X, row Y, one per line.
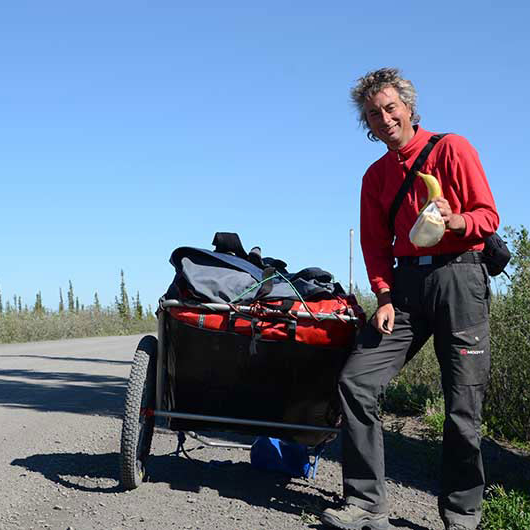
column 456, row 165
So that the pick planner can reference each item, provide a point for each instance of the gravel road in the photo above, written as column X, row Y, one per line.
column 60, row 408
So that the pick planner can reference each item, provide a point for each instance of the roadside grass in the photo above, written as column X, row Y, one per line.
column 523, row 446
column 505, row 510
column 31, row 327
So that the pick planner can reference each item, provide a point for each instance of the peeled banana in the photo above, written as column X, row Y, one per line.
column 433, row 187
column 428, row 229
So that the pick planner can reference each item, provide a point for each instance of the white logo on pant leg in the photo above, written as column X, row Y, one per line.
column 463, row 351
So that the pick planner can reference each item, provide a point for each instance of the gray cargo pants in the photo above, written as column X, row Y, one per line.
column 450, row 301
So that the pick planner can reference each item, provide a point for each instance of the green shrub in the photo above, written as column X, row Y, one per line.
column 507, row 405
column 505, row 510
column 418, row 383
column 402, row 397
column 367, row 301
column 434, row 417
column 423, row 370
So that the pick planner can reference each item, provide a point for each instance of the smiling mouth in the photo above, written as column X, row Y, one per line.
column 390, row 130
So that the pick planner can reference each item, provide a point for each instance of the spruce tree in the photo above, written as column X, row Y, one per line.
column 15, row 303
column 124, row 308
column 38, row 308
column 20, row 304
column 8, row 307
column 138, row 309
column 97, row 305
column 61, row 301
column 70, row 295
column 76, row 304
column 1, row 305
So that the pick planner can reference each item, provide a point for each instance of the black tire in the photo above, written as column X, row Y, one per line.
column 138, row 420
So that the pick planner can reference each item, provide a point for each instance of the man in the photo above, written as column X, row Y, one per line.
column 441, row 290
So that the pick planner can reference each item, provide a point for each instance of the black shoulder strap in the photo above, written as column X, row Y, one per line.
column 409, row 179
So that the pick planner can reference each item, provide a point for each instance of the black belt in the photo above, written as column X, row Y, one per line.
column 441, row 259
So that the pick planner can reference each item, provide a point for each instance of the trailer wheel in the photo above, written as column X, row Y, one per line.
column 138, row 417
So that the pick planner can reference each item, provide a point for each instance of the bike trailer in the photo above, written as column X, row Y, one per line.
column 243, row 345
column 271, row 349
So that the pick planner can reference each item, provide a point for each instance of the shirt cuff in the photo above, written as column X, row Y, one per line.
column 379, row 284
column 469, row 224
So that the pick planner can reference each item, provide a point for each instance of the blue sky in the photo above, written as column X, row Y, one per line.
column 128, row 129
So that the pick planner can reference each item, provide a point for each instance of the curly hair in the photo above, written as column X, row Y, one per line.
column 372, row 83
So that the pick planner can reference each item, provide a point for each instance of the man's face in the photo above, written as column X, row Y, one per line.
column 389, row 118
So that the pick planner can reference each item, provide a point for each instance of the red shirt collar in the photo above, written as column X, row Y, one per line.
column 416, row 142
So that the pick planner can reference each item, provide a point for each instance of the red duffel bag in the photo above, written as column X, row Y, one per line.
column 318, row 323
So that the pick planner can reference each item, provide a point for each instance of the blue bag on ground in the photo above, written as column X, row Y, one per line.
column 290, row 458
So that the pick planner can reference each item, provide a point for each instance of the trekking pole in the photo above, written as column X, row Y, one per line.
column 351, row 261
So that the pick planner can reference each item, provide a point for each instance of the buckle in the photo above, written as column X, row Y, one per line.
column 424, row 260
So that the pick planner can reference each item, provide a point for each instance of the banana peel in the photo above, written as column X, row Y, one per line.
column 433, row 187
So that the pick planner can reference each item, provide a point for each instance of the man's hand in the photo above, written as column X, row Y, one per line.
column 453, row 221
column 383, row 320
